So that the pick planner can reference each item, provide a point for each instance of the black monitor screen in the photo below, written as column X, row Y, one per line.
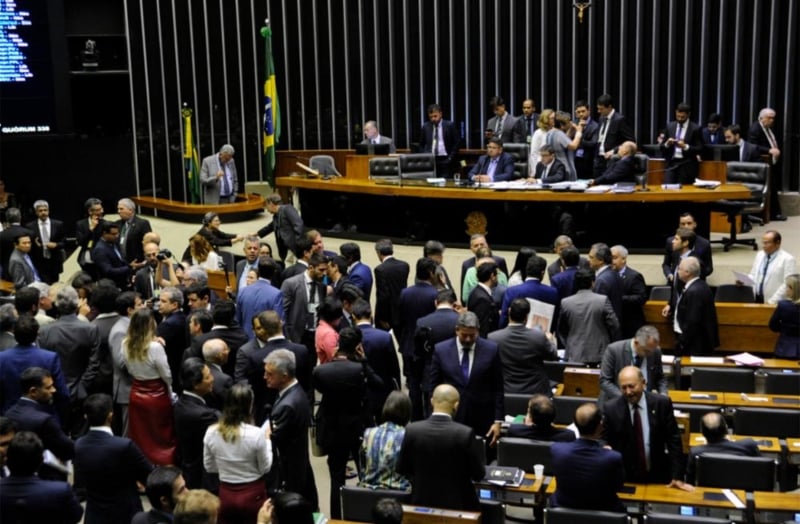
column 373, row 149
column 721, row 152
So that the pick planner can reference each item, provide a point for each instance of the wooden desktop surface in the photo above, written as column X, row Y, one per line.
column 776, row 501
column 712, row 398
column 765, row 444
column 762, row 400
column 793, row 450
column 661, row 494
column 688, row 363
column 638, row 494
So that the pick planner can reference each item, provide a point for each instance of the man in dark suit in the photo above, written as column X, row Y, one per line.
column 111, row 466
column 642, row 351
column 538, row 423
column 747, row 152
column 558, row 265
column 589, row 475
column 87, row 233
column 441, row 457
column 564, row 281
column 286, row 224
column 634, row 292
column 107, row 257
column 480, row 300
column 715, row 430
column 526, row 122
column 9, row 235
column 32, row 413
column 192, row 418
column 21, row 270
column 549, row 169
column 638, row 421
column 303, row 249
column 606, row 281
column 494, row 166
column 381, row 356
column 225, row 328
column 391, row 278
column 126, row 303
column 440, row 137
column 78, row 345
column 472, row 365
column 48, row 243
column 762, row 134
column 682, row 145
column 431, row 329
column 712, row 133
column 622, row 170
column 165, row 485
column 476, row 242
column 584, row 155
column 172, row 329
column 503, row 124
column 25, row 497
column 531, row 288
column 614, row 130
column 215, row 355
column 694, row 312
column 523, row 352
column 415, row 302
column 687, row 245
column 103, row 300
column 288, row 426
column 259, row 296
column 302, row 295
column 358, row 273
column 132, row 229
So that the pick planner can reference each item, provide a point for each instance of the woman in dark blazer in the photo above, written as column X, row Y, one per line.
column 786, row 321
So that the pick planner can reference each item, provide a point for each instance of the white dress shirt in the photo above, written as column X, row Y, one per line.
column 246, row 459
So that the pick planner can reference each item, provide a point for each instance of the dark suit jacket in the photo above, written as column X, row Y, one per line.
column 692, row 136
column 78, row 345
column 441, row 458
column 15, row 360
column 504, row 170
column 290, row 418
column 557, row 172
column 288, row 227
column 391, row 278
column 382, row 358
column 49, row 268
column 433, row 328
column 742, row 448
column 756, row 136
column 470, row 262
column 786, row 321
column 109, row 265
column 87, row 239
column 19, row 272
column 701, row 250
column 415, row 302
column 33, row 416
column 697, row 318
column 589, row 476
column 192, row 418
column 529, row 289
column 618, row 132
column 111, row 498
column 666, row 452
column 556, row 267
column 717, row 137
column 482, row 395
column 137, row 228
column 153, row 516
column 7, row 237
column 749, row 152
column 361, row 275
column 617, row 356
column 608, row 283
column 634, row 296
column 173, row 330
column 452, row 138
column 481, row 303
column 587, row 150
column 222, row 383
column 143, row 284
column 31, row 500
column 546, row 433
column 522, row 354
column 295, row 269
column 564, row 282
column 621, row 171
column 235, row 337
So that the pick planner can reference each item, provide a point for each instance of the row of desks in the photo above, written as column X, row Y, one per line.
column 754, row 400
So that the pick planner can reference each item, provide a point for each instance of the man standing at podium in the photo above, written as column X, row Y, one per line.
column 441, row 138
column 218, row 176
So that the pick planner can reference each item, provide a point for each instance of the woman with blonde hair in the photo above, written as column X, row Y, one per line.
column 150, row 421
column 203, row 253
column 544, row 124
column 241, row 454
column 786, row 320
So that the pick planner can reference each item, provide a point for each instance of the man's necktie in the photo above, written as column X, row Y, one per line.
column 226, row 184
column 764, row 268
column 530, row 126
column 638, row 431
column 45, row 234
column 637, row 360
column 311, row 298
column 33, row 268
column 498, row 127
column 465, row 363
column 435, row 139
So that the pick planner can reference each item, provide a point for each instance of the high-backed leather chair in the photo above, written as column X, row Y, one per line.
column 565, row 407
column 524, row 453
column 417, row 166
column 782, row 382
column 734, row 293
column 754, row 175
column 661, row 293
column 722, row 470
column 357, row 503
column 516, row 403
column 520, row 152
column 381, row 167
column 324, row 164
column 729, row 380
column 767, row 422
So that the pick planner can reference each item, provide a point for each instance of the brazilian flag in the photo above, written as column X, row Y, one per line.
column 191, row 160
column 272, row 114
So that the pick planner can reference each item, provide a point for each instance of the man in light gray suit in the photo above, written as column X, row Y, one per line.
column 126, row 305
column 302, row 295
column 20, row 265
column 587, row 322
column 523, row 351
column 219, row 178
column 503, row 125
column 642, row 351
column 373, row 136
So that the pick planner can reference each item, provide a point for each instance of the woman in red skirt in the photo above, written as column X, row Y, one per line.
column 150, row 422
column 241, row 454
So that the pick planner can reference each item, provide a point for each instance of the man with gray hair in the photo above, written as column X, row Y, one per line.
column 634, row 292
column 8, row 318
column 287, row 426
column 762, row 134
column 78, row 345
column 215, row 355
column 45, row 303
column 692, row 312
column 218, row 176
column 472, row 365
column 48, row 238
column 132, row 230
column 642, row 351
column 172, row 329
column 373, row 136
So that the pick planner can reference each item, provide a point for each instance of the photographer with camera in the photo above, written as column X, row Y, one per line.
column 157, row 273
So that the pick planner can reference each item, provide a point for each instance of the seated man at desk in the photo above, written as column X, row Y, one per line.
column 715, row 430
column 549, row 170
column 622, row 170
column 373, row 136
column 539, row 423
column 494, row 166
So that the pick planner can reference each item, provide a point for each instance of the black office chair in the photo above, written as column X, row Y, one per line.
column 721, row 470
column 417, row 166
column 324, row 164
column 565, row 407
column 524, row 453
column 661, row 293
column 729, row 380
column 492, row 512
column 516, row 403
column 768, row 422
column 782, row 382
column 357, row 503
column 671, row 518
column 754, row 175
column 696, row 413
column 652, row 150
column 382, row 167
column 578, row 516
column 734, row 293
column 520, row 152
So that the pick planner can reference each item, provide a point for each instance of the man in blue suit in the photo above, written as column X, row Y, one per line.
column 622, row 170
column 259, row 296
column 494, row 166
column 24, row 497
column 472, row 365
column 531, row 288
column 108, row 258
column 358, row 273
column 111, row 466
column 589, row 475
column 15, row 360
column 381, row 356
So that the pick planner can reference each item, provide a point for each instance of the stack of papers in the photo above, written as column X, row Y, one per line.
column 598, row 189
column 746, row 359
column 707, row 183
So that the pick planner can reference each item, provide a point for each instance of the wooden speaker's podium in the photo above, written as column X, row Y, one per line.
column 581, row 382
column 217, row 282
